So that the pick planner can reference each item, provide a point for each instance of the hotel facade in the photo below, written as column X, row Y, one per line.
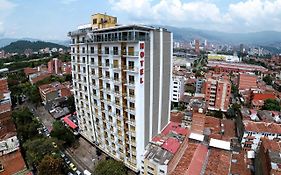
column 121, row 80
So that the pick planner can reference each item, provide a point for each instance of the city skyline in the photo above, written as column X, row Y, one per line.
column 28, row 19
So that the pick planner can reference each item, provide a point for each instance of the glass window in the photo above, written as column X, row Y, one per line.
column 106, row 50
column 92, row 49
column 115, row 50
column 131, row 64
column 107, row 62
column 131, row 79
column 116, row 76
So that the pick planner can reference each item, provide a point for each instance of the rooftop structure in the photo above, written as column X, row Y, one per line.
column 164, row 150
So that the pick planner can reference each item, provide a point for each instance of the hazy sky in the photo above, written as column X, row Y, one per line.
column 52, row 19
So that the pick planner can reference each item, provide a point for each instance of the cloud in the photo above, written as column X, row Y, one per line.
column 249, row 15
column 6, row 8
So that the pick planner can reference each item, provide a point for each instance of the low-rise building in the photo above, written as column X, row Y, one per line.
column 5, row 96
column 54, row 90
column 164, row 150
column 11, row 161
column 268, row 159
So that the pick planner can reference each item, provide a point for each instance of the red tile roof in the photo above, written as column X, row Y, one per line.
column 13, row 163
column 174, row 127
column 171, row 145
column 198, row 159
column 263, row 96
column 262, row 127
column 29, row 70
column 218, row 162
column 185, row 160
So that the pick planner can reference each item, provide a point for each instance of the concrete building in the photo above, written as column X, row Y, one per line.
column 177, row 88
column 247, row 81
column 217, row 93
column 121, row 78
column 54, row 90
column 55, row 66
column 197, row 46
column 199, row 85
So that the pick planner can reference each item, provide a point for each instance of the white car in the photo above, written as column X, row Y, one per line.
column 78, row 172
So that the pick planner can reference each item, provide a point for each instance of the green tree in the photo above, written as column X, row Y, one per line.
column 71, row 104
column 37, row 149
column 268, row 79
column 62, row 133
column 34, row 95
column 26, row 124
column 51, row 165
column 218, row 114
column 272, row 105
column 110, row 167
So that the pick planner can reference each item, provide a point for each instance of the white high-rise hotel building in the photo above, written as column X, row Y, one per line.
column 121, row 78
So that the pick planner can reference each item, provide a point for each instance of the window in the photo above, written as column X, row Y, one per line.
column 117, row 101
column 116, row 89
column 131, row 51
column 92, row 60
column 115, row 63
column 107, row 74
column 73, row 50
column 106, row 50
column 131, row 64
column 131, row 79
column 92, row 49
column 95, row 21
column 83, row 50
column 107, row 62
column 116, row 76
column 73, row 41
column 117, row 112
column 132, row 92
column 93, row 72
column 107, row 86
column 84, row 70
column 108, row 97
column 115, row 50
column 132, row 105
column 84, row 59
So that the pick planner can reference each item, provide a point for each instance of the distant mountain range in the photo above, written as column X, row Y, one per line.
column 270, row 40
column 6, row 41
column 21, row 45
column 254, row 38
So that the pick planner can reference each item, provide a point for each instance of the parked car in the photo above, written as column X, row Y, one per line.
column 72, row 167
column 67, row 161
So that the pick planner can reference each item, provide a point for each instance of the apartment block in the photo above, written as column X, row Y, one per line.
column 217, row 93
column 121, row 80
column 55, row 66
column 177, row 88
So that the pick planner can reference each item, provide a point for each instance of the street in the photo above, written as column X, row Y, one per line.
column 84, row 156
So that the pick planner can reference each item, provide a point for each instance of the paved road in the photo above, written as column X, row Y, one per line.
column 84, row 157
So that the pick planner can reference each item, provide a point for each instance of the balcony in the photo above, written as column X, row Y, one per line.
column 104, row 66
column 132, row 69
column 131, row 54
